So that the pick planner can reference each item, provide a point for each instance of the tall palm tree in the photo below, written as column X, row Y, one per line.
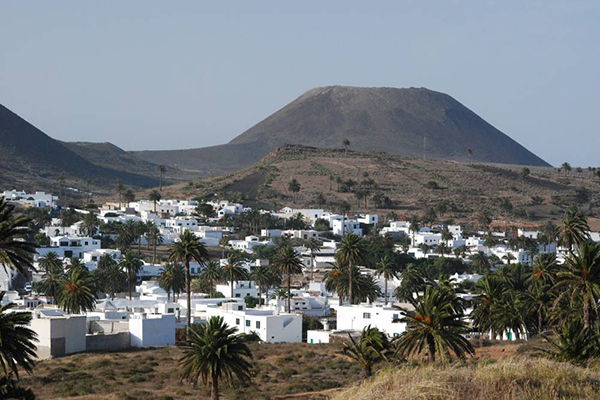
column 161, row 170
column 233, row 270
column 436, row 326
column 211, row 273
column 16, row 250
column 155, row 238
column 346, row 143
column 386, row 267
column 545, row 268
column 294, row 187
column 132, row 265
column 51, row 282
column 414, row 226
column 89, row 224
column 351, row 251
column 480, row 261
column 488, row 290
column 579, row 279
column 288, row 263
column 313, row 246
column 335, row 280
column 75, row 263
column 213, row 352
column 17, row 348
column 112, row 274
column 262, row 277
column 49, row 261
column 172, row 279
column 77, row 293
column 223, row 244
column 575, row 229
column 154, row 197
column 185, row 250
column 372, row 347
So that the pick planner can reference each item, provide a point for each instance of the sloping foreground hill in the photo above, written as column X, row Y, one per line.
column 407, row 122
column 29, row 158
column 522, row 379
column 413, row 185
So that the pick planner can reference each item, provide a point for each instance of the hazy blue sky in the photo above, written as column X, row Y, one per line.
column 165, row 75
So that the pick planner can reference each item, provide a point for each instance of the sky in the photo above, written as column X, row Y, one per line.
column 169, row 75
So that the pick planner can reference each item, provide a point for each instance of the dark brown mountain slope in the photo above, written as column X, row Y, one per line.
column 29, row 157
column 396, row 121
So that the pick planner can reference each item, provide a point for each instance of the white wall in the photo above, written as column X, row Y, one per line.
column 152, row 332
column 359, row 317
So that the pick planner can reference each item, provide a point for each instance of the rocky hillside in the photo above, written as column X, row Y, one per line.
column 412, row 122
column 385, row 183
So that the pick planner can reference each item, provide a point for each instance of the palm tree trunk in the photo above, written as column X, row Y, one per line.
column 312, row 266
column 212, row 291
column 289, row 288
column 231, row 280
column 259, row 294
column 586, row 310
column 154, row 247
column 385, row 289
column 540, row 320
column 188, row 292
column 350, row 294
column 214, row 393
column 129, row 284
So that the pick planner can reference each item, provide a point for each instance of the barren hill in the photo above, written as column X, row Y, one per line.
column 410, row 122
column 29, row 158
column 404, row 186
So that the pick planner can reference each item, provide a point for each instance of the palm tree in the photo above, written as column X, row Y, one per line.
column 49, row 261
column 154, row 197
column 511, row 314
column 172, row 279
column 313, row 246
column 575, row 229
column 75, row 263
column 111, row 274
column 545, row 268
column 346, row 144
column 89, row 224
column 16, row 250
column 436, row 326
column 335, row 280
column 132, row 265
column 211, row 273
column 294, row 187
column 223, row 243
column 17, row 348
column 509, row 257
column 185, row 250
column 579, row 279
column 155, row 238
column 263, row 277
column 139, row 230
column 351, row 251
column 213, row 351
column 489, row 290
column 387, row 268
column 481, row 261
column 574, row 343
column 51, row 282
column 470, row 152
column 288, row 262
column 77, row 293
column 161, row 170
column 233, row 270
column 371, row 347
column 414, row 226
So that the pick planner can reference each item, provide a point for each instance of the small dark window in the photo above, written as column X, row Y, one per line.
column 247, row 322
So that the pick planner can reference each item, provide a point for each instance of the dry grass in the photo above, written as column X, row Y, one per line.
column 280, row 370
column 516, row 378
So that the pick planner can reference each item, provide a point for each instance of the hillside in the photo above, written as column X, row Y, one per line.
column 412, row 185
column 30, row 159
column 107, row 155
column 407, row 122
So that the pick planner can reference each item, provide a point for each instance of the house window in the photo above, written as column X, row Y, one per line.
column 395, row 316
column 237, row 295
column 237, row 321
column 367, row 315
column 257, row 324
column 170, row 311
column 247, row 322
column 240, row 308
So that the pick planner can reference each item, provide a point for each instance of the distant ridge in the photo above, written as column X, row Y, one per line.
column 408, row 122
column 29, row 155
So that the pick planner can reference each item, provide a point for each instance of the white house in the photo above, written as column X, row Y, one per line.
column 268, row 324
column 358, row 317
column 368, row 219
column 58, row 333
column 37, row 199
column 241, row 289
column 342, row 226
column 70, row 246
column 148, row 330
